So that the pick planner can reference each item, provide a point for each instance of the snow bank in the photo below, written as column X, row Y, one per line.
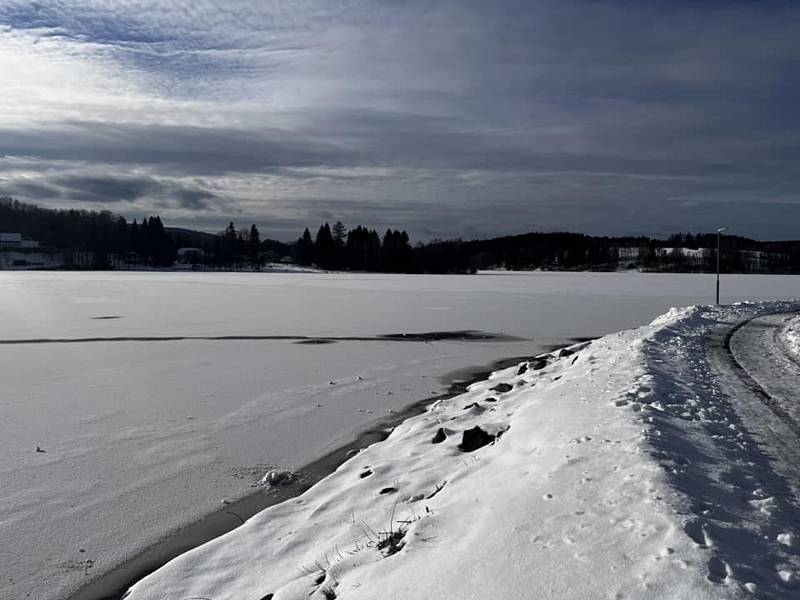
column 790, row 336
column 615, row 469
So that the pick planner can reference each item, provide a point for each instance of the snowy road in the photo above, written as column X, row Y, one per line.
column 757, row 347
column 752, row 367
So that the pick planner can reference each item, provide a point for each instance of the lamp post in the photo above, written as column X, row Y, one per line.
column 719, row 234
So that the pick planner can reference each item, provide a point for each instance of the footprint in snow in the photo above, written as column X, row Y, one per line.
column 718, row 570
column 697, row 531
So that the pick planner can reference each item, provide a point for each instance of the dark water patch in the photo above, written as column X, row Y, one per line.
column 302, row 339
column 436, row 336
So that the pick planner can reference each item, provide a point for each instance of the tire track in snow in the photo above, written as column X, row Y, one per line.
column 774, row 427
column 756, row 354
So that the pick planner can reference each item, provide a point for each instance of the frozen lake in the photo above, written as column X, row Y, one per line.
column 143, row 436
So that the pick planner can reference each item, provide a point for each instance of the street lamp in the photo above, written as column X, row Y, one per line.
column 719, row 234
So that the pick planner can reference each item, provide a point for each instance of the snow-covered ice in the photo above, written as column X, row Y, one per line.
column 618, row 469
column 139, row 438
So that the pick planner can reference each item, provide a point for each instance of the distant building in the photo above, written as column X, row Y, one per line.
column 190, row 256
column 628, row 253
column 11, row 240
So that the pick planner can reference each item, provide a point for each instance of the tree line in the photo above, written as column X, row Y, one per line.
column 359, row 249
column 564, row 251
column 99, row 233
column 149, row 242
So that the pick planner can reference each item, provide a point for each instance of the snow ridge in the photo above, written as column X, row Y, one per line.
column 611, row 469
column 790, row 336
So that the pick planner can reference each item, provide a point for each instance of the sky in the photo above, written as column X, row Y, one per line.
column 447, row 118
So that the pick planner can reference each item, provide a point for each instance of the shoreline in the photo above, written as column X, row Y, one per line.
column 113, row 584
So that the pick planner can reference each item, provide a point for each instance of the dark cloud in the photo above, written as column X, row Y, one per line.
column 195, row 150
column 143, row 191
column 451, row 118
column 196, row 199
column 26, row 189
column 106, row 189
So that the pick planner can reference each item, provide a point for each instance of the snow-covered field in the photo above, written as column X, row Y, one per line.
column 142, row 436
column 614, row 469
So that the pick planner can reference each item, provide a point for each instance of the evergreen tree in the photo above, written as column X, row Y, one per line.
column 339, row 234
column 325, row 247
column 229, row 239
column 254, row 246
column 305, row 249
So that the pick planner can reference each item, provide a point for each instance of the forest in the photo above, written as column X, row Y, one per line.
column 113, row 240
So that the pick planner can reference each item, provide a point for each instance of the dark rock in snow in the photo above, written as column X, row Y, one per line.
column 502, row 388
column 388, row 490
column 522, row 369
column 491, row 399
column 439, row 437
column 540, row 364
column 366, row 473
column 475, row 438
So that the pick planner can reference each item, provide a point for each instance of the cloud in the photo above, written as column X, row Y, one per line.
column 196, row 199
column 448, row 117
column 106, row 189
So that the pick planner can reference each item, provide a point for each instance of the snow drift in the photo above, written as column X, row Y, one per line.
column 611, row 469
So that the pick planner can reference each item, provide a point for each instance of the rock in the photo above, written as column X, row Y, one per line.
column 502, row 388
column 38, row 449
column 388, row 490
column 364, row 474
column 275, row 477
column 490, row 399
column 475, row 438
column 523, row 368
column 539, row 364
column 439, row 437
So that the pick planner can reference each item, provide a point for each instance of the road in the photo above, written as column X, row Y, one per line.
column 756, row 371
